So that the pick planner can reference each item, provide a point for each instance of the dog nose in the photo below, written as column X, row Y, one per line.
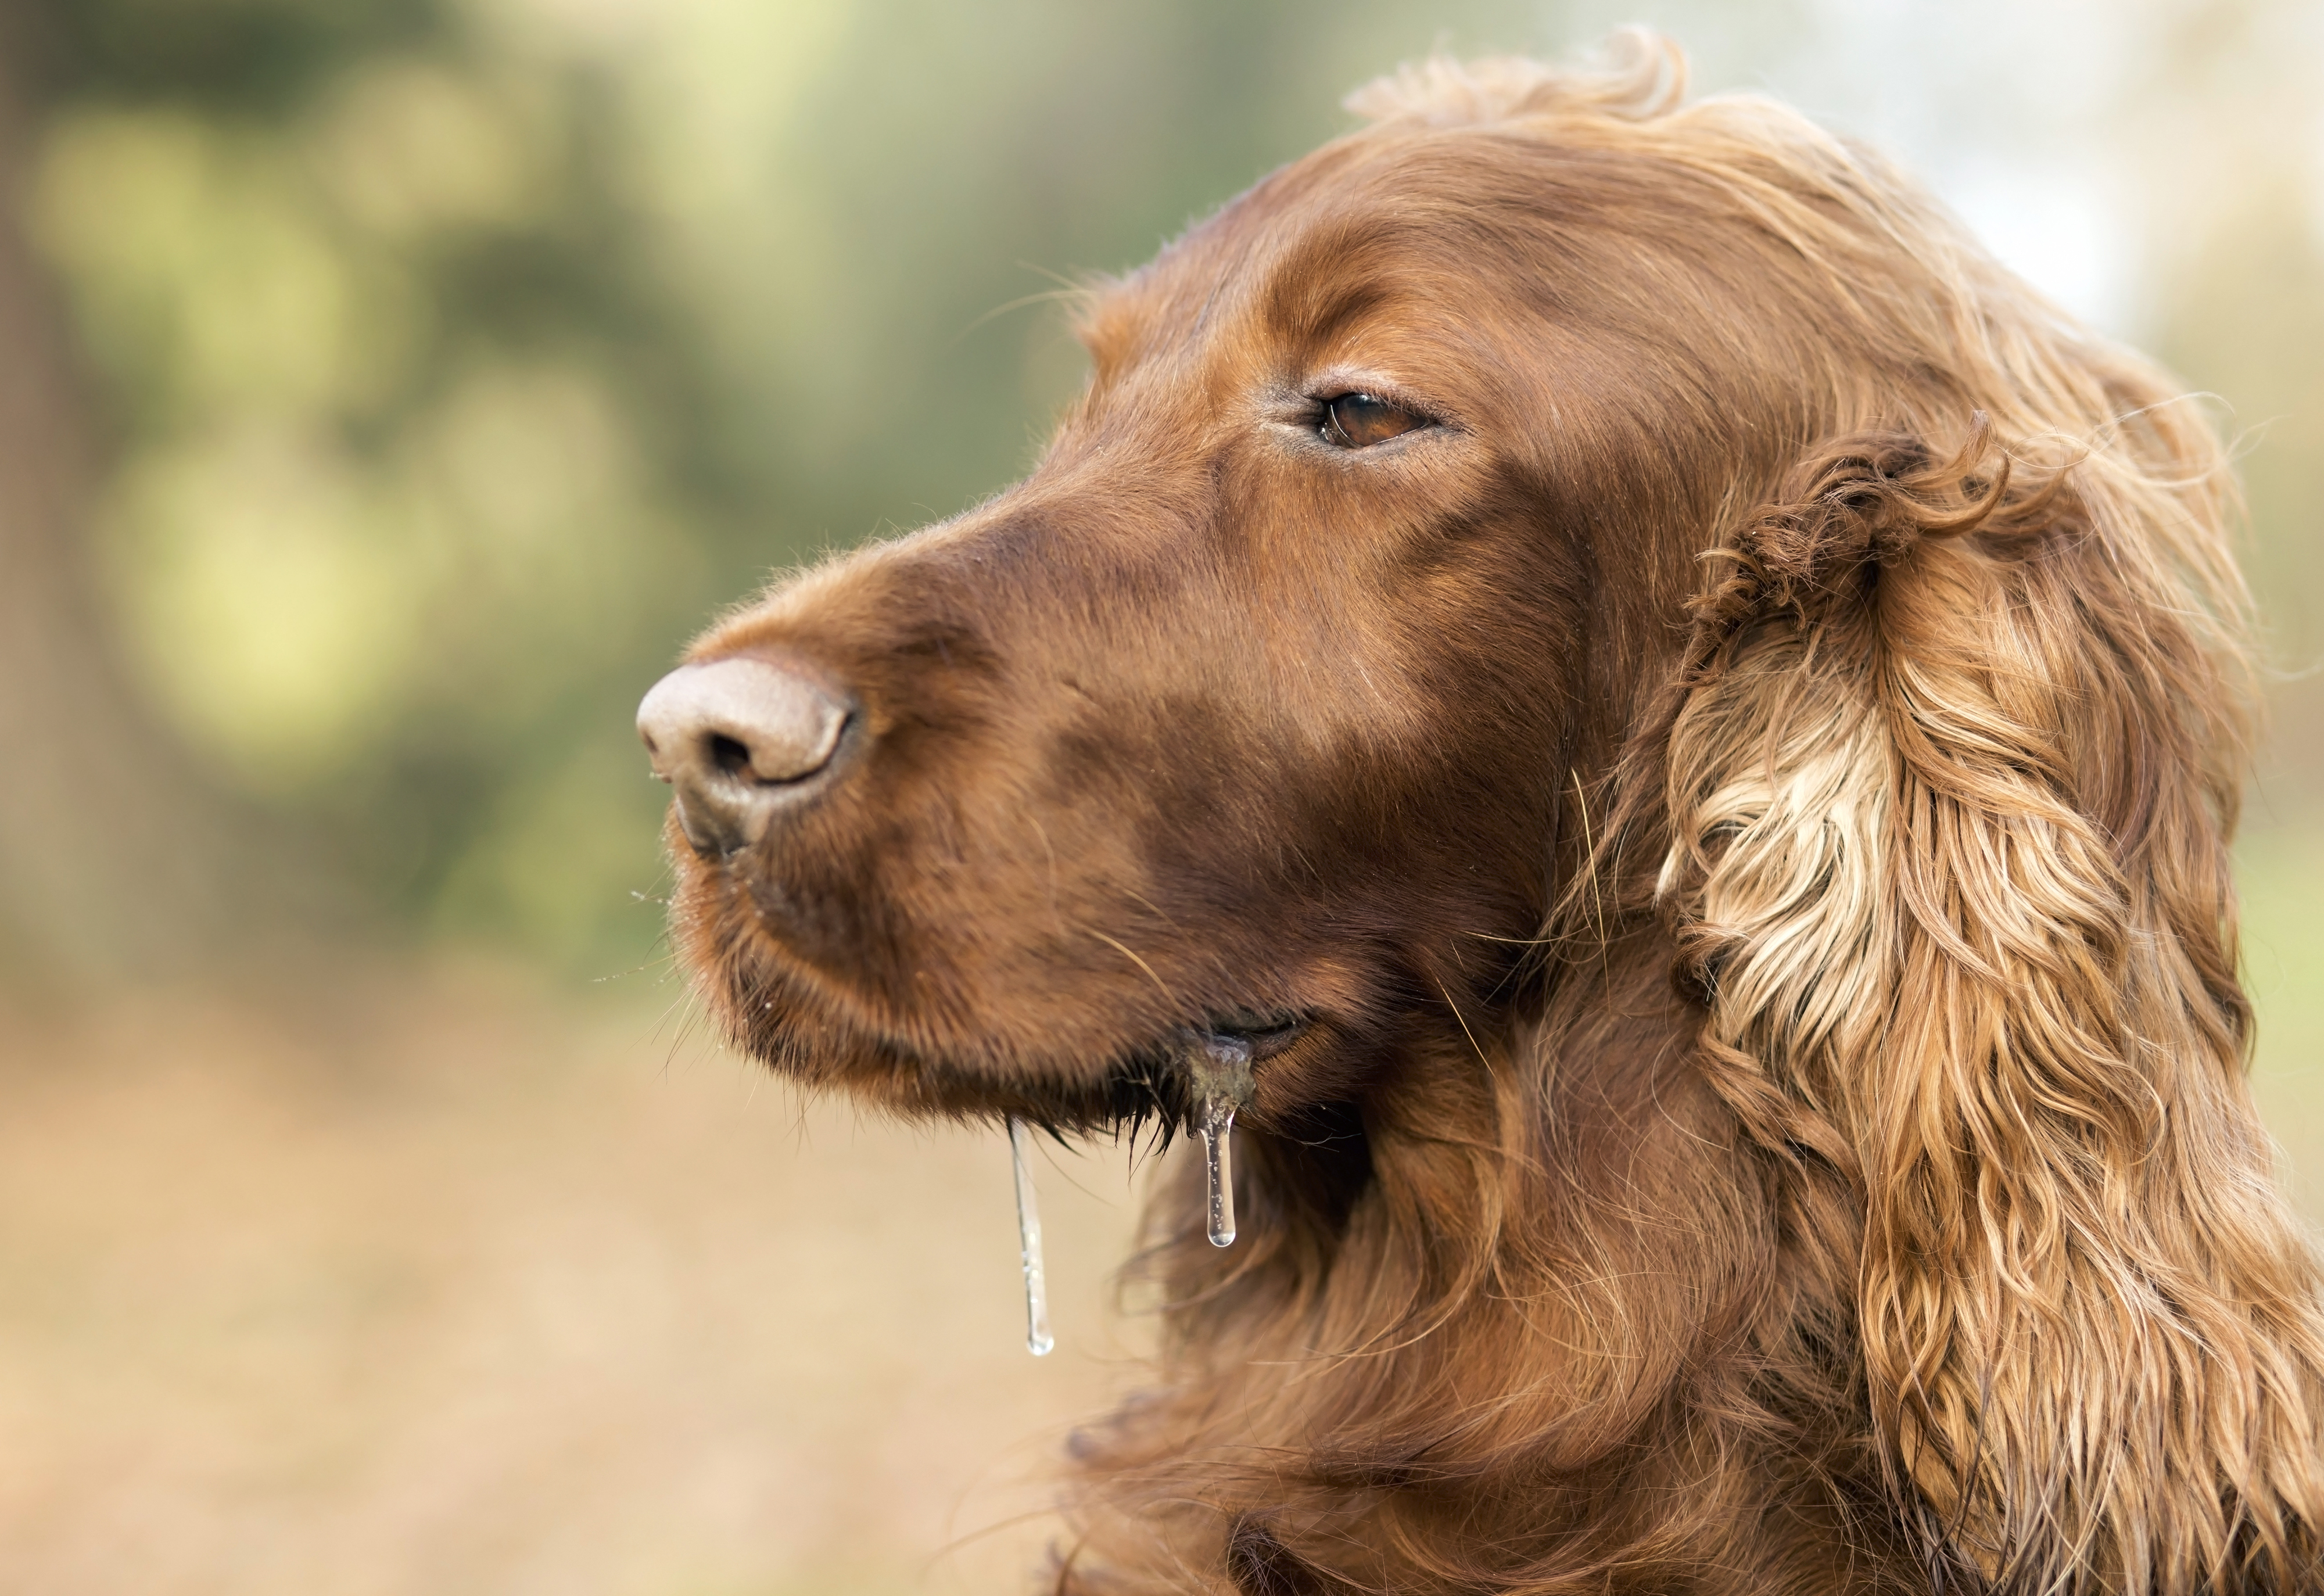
column 737, row 739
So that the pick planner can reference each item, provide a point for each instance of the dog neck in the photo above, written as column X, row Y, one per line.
column 1544, row 1306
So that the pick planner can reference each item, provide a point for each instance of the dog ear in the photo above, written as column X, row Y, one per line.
column 1948, row 781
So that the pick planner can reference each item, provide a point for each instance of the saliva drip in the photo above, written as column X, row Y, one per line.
column 1220, row 1069
column 1037, row 1339
column 1217, row 1130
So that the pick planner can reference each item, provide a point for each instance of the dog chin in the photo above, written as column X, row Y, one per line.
column 825, row 1041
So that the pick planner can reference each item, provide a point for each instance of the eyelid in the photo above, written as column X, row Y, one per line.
column 1333, row 384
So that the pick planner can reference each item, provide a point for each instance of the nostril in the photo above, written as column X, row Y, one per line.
column 737, row 739
column 730, row 756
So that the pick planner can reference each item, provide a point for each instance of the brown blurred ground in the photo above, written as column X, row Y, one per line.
column 432, row 1286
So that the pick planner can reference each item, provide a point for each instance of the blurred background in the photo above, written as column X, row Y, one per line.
column 388, row 388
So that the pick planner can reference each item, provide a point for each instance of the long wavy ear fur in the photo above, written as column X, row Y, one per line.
column 1949, row 783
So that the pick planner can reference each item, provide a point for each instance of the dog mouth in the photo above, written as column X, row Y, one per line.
column 1175, row 1083
column 1134, row 1084
column 1068, row 1068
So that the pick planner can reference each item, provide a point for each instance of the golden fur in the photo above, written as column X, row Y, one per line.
column 1783, row 599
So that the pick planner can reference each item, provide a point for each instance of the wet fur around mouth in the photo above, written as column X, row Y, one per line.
column 1738, row 806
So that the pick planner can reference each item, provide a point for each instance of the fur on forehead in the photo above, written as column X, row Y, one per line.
column 1638, row 76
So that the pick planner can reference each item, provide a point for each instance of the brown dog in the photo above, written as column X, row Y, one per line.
column 1545, row 544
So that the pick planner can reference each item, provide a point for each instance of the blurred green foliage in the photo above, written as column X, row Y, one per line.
column 462, row 356
column 405, row 492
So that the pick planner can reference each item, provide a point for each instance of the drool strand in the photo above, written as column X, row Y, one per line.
column 1218, row 1155
column 1220, row 1069
column 1037, row 1339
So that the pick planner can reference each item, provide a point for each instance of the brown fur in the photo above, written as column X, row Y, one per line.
column 1786, row 600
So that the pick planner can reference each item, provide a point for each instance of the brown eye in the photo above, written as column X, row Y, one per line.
column 1356, row 421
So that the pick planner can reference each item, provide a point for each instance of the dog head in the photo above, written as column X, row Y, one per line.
column 1260, row 704
column 1547, row 528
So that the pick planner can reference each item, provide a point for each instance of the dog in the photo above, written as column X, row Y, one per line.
column 1685, row 724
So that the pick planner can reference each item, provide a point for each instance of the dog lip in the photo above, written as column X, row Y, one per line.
column 1151, row 1084
column 1265, row 1034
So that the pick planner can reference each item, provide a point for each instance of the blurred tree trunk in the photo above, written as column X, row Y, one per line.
column 114, row 856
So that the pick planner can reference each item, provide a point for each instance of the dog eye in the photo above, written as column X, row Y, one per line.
column 1357, row 420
